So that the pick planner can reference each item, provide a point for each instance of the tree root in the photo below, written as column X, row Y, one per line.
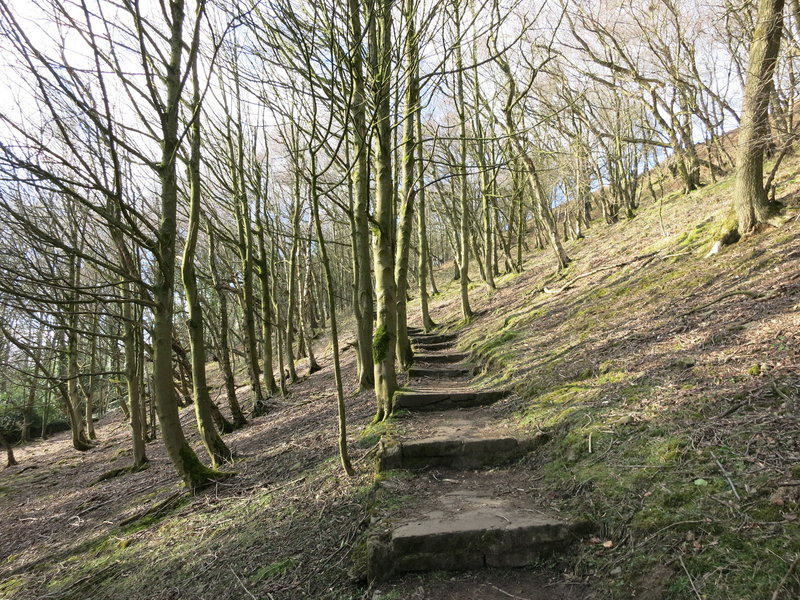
column 156, row 509
column 749, row 294
column 119, row 472
column 571, row 282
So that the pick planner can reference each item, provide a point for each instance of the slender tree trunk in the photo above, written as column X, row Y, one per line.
column 422, row 235
column 404, row 353
column 194, row 474
column 383, row 343
column 360, row 179
column 342, row 415
column 279, row 320
column 291, row 308
column 88, row 392
column 223, row 347
column 217, row 450
column 72, row 399
column 461, row 108
column 305, row 301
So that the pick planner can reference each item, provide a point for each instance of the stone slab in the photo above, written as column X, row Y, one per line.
column 433, row 338
column 468, row 530
column 454, row 453
column 440, row 372
column 432, row 346
column 447, row 399
column 450, row 357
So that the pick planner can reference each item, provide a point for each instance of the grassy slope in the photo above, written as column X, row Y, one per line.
column 610, row 363
column 656, row 415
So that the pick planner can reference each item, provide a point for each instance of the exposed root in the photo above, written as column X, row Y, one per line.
column 572, row 281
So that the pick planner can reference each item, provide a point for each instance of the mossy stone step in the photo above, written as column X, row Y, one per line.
column 454, row 453
column 447, row 399
column 433, row 346
column 432, row 338
column 477, row 532
column 449, row 357
column 440, row 372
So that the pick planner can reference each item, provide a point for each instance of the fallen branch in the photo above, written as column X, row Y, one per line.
column 572, row 281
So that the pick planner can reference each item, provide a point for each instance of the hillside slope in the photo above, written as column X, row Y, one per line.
column 670, row 390
column 669, row 396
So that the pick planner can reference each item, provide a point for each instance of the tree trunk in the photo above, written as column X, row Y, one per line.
column 10, row 460
column 404, row 353
column 383, row 343
column 223, row 346
column 424, row 263
column 750, row 198
column 217, row 450
column 291, row 308
column 194, row 474
column 360, row 178
column 305, row 301
column 340, row 406
column 461, row 108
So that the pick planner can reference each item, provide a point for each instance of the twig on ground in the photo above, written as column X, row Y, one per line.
column 727, row 477
column 691, row 581
column 776, row 594
column 244, row 587
column 505, row 593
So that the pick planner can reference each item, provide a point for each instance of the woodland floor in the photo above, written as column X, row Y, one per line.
column 672, row 427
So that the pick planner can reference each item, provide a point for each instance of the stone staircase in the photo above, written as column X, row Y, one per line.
column 462, row 511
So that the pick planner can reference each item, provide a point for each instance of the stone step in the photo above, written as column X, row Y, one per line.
column 447, row 399
column 445, row 372
column 432, row 347
column 450, row 357
column 415, row 331
column 433, row 338
column 454, row 453
column 467, row 529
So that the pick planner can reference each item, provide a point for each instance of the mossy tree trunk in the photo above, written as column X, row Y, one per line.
column 364, row 305
column 264, row 275
column 217, row 450
column 383, row 343
column 461, row 109
column 305, row 308
column 223, row 344
column 194, row 474
column 750, row 198
column 245, row 245
column 406, row 215
column 291, row 308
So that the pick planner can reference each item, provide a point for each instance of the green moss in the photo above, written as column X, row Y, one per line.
column 380, row 344
column 373, row 432
column 9, row 586
column 198, row 476
column 274, row 570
